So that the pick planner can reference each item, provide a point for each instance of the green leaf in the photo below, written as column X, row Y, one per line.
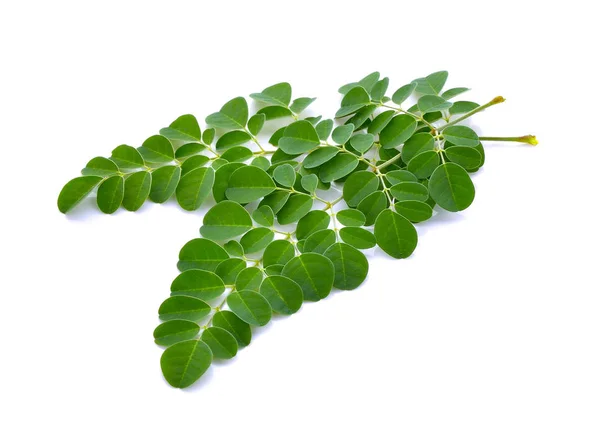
column 276, row 200
column 314, row 273
column 417, row 144
column 372, row 206
column 184, row 128
column 414, row 211
column 110, row 194
column 358, row 186
column 100, row 166
column 431, row 84
column 399, row 129
column 409, row 191
column 356, row 98
column 197, row 283
column 183, row 307
column 249, row 278
column 397, row 176
column 234, row 325
column 379, row 88
column 362, row 117
column 229, row 269
column 451, row 187
column 341, row 165
column 157, row 149
column 251, row 307
column 274, row 112
column 395, row 234
column 169, row 333
column 299, row 104
column 324, row 129
column 465, row 156
column 367, row 83
column 278, row 94
column 351, row 217
column 424, row 164
column 342, row 134
column 451, row 93
column 433, row 103
column 137, row 189
column 358, row 237
column 234, row 248
column 222, row 176
column 75, row 190
column 463, row 107
column 237, row 154
column 232, row 138
column 295, row 208
column 285, row 175
column 256, row 239
column 274, row 269
column 264, row 216
column 312, row 222
column 461, row 135
column 380, row 122
column 310, row 183
column 189, row 149
column 184, row 363
column 233, row 115
column 283, row 294
column 261, row 162
column 319, row 241
column 127, row 157
column 278, row 252
column 194, row 188
column 201, row 253
column 208, row 136
column 248, row 184
column 299, row 137
column 164, row 183
column 362, row 142
column 226, row 220
column 222, row 343
column 402, row 94
column 319, row 156
column 256, row 123
column 350, row 265
column 216, row 164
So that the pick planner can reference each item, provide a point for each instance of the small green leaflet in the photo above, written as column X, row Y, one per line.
column 75, row 190
column 249, row 278
column 233, row 115
column 319, row 241
column 183, row 307
column 201, row 253
column 299, row 137
column 358, row 186
column 127, row 157
column 137, row 189
column 231, row 139
column 342, row 134
column 461, row 135
column 173, row 331
column 399, row 129
column 221, row 342
column 295, row 208
column 110, row 194
column 431, row 84
column 194, row 188
column 358, row 237
column 248, row 184
column 414, row 211
column 350, row 265
column 197, row 283
column 250, row 306
column 234, row 325
column 395, row 234
column 465, row 156
column 264, row 216
column 451, row 187
column 283, row 294
column 229, row 269
column 312, row 222
column 183, row 363
column 403, row 93
column 157, row 149
column 351, row 217
column 164, row 183
column 278, row 94
column 184, row 128
column 256, row 239
column 278, row 252
column 100, row 166
column 314, row 273
column 226, row 220
column 285, row 175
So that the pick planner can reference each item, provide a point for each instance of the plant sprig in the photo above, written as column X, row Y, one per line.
column 291, row 220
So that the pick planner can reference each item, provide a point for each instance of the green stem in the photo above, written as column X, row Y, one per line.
column 529, row 139
column 497, row 100
column 388, row 162
column 415, row 116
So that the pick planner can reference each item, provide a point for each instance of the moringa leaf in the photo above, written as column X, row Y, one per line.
column 229, row 269
column 417, row 144
column 222, row 176
column 197, row 283
column 239, row 329
column 424, row 164
column 256, row 123
column 237, row 154
column 249, row 278
column 274, row 112
column 314, row 273
column 339, row 166
column 342, row 134
column 231, row 139
column 319, row 241
column 295, row 208
column 319, row 156
column 462, row 107
column 358, row 237
column 402, row 94
column 324, row 129
column 278, row 94
column 184, row 363
column 173, row 331
column 264, row 216
column 208, row 136
column 395, row 234
column 433, row 103
column 451, row 93
column 414, row 211
column 127, row 157
column 164, row 183
column 432, row 84
column 350, row 265
column 275, row 200
column 278, row 252
column 372, row 206
column 256, row 239
column 250, row 306
column 362, row 142
column 194, row 188
column 299, row 137
column 157, row 149
column 312, row 222
column 189, row 149
column 351, row 217
column 137, row 188
column 100, row 166
column 299, row 104
column 451, row 187
column 461, row 135
column 75, row 190
column 222, row 343
column 248, row 184
column 201, row 253
column 183, row 307
column 398, row 130
column 185, row 128
column 379, row 88
column 226, row 220
column 283, row 294
column 465, row 156
column 358, row 186
column 355, row 99
column 110, row 194
column 410, row 191
column 380, row 122
column 285, row 175
column 233, row 115
column 310, row 183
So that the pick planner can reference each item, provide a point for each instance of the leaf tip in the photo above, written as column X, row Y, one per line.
column 498, row 100
column 529, row 139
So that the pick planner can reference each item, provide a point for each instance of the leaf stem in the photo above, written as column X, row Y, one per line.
column 389, row 162
column 497, row 100
column 415, row 116
column 529, row 139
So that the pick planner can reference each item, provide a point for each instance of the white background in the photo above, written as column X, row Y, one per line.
column 488, row 336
